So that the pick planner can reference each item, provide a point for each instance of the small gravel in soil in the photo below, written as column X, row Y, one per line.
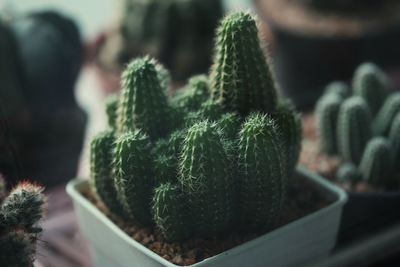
column 302, row 199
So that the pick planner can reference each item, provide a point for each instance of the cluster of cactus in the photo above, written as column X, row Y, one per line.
column 20, row 212
column 362, row 127
column 177, row 32
column 215, row 156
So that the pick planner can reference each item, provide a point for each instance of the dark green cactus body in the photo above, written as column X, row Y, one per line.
column 143, row 104
column 386, row 114
column 291, row 132
column 206, row 180
column 209, row 110
column 262, row 180
column 17, row 249
column 394, row 139
column 170, row 212
column 101, row 170
column 353, row 129
column 371, row 83
column 194, row 94
column 241, row 78
column 337, row 88
column 376, row 165
column 112, row 111
column 134, row 175
column 327, row 111
column 348, row 172
column 230, row 125
column 23, row 207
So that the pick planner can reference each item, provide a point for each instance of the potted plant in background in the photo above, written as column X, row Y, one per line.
column 360, row 127
column 20, row 212
column 320, row 41
column 200, row 178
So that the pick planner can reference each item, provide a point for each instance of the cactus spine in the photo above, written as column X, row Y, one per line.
column 101, row 159
column 262, row 183
column 370, row 83
column 386, row 114
column 241, row 78
column 134, row 175
column 376, row 164
column 143, row 103
column 170, row 212
column 205, row 179
column 353, row 130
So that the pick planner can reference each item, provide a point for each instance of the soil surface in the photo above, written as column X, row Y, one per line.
column 302, row 199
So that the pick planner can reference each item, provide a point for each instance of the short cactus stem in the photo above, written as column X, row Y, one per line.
column 386, row 114
column 371, row 83
column 230, row 124
column 206, row 180
column 133, row 175
column 394, row 139
column 241, row 78
column 337, row 88
column 101, row 170
column 353, row 130
column 262, row 175
column 348, row 173
column 194, row 94
column 376, row 165
column 112, row 111
column 170, row 212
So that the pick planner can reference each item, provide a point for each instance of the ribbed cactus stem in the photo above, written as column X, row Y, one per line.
column 134, row 175
column 348, row 173
column 386, row 114
column 170, row 212
column 337, row 88
column 376, row 165
column 206, row 180
column 371, row 83
column 230, row 125
column 394, row 139
column 194, row 94
column 143, row 104
column 262, row 180
column 241, row 78
column 353, row 129
column 291, row 132
column 112, row 111
column 101, row 170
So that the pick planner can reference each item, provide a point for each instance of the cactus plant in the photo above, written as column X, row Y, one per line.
column 134, row 174
column 241, row 78
column 337, row 88
column 194, row 94
column 112, row 111
column 263, row 180
column 206, row 180
column 348, row 172
column 376, row 165
column 386, row 114
column 230, row 125
column 371, row 83
column 353, row 130
column 143, row 104
column 394, row 139
column 20, row 213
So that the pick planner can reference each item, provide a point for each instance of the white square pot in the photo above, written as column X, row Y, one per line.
column 295, row 244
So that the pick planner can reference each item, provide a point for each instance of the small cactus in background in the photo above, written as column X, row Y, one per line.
column 262, row 183
column 134, row 174
column 143, row 104
column 386, row 114
column 20, row 213
column 194, row 94
column 394, row 139
column 353, row 130
column 337, row 88
column 349, row 173
column 170, row 212
column 241, row 78
column 230, row 125
column 101, row 157
column 371, row 83
column 206, row 180
column 112, row 111
column 376, row 165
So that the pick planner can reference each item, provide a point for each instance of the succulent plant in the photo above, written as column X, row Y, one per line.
column 262, row 181
column 112, row 111
column 194, row 94
column 20, row 213
column 230, row 124
column 241, row 78
column 337, row 88
column 394, row 139
column 386, row 114
column 348, row 172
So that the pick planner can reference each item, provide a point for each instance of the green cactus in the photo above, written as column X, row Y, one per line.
column 101, row 174
column 262, row 181
column 194, row 94
column 386, row 114
column 230, row 124
column 348, row 172
column 353, row 129
column 291, row 132
column 133, row 175
column 376, row 165
column 241, row 77
column 372, row 84
column 394, row 139
column 112, row 111
column 17, row 249
column 143, row 104
column 327, row 112
column 170, row 212
column 338, row 88
column 3, row 188
column 206, row 180
column 209, row 110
